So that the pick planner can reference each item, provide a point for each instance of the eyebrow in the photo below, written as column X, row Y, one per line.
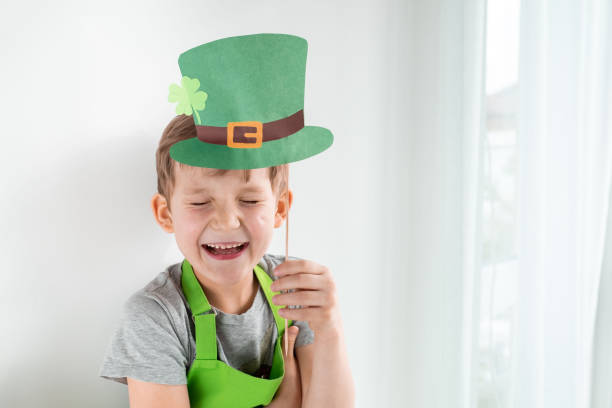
column 205, row 190
column 196, row 190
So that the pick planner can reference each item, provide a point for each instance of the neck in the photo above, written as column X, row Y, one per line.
column 234, row 299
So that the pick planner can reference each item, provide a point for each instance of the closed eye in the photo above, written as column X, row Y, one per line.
column 248, row 202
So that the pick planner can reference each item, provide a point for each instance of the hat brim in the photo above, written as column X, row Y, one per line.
column 307, row 142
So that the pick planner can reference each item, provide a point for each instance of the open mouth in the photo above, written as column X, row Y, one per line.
column 225, row 253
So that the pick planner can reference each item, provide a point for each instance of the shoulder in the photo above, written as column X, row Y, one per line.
column 151, row 342
column 163, row 293
column 160, row 307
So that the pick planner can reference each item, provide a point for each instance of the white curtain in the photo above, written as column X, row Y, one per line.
column 565, row 167
column 433, row 144
column 601, row 396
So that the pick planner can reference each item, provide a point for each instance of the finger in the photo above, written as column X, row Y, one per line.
column 303, row 314
column 293, row 266
column 299, row 281
column 293, row 332
column 302, row 297
column 291, row 335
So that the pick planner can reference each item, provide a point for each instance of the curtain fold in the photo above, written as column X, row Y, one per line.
column 433, row 186
column 474, row 128
column 601, row 389
column 565, row 157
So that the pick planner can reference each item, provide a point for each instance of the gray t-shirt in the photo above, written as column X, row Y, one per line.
column 155, row 340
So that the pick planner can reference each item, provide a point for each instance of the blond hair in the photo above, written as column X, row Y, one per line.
column 180, row 128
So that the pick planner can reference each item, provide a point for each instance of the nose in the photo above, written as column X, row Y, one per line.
column 226, row 218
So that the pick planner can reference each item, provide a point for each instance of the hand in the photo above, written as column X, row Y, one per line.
column 289, row 394
column 315, row 291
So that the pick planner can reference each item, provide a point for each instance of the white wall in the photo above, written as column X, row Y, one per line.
column 83, row 107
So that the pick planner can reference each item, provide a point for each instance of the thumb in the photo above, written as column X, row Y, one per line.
column 292, row 332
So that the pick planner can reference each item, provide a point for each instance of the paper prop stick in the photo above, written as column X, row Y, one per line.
column 287, row 252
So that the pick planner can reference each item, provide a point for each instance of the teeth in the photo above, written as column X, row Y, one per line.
column 223, row 246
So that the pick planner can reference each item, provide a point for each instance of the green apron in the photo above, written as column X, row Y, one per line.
column 213, row 383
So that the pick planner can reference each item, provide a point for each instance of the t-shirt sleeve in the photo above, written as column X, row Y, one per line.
column 145, row 346
column 305, row 335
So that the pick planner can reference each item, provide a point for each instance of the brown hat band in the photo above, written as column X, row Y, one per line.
column 251, row 134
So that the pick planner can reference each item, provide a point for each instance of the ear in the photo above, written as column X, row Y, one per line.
column 162, row 215
column 282, row 208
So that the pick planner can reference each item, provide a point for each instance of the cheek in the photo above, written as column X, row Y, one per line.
column 263, row 219
column 188, row 223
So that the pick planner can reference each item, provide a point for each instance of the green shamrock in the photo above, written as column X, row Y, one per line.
column 188, row 97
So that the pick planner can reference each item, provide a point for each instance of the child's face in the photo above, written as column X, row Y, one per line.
column 223, row 208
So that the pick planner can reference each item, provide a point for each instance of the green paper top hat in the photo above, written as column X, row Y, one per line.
column 246, row 95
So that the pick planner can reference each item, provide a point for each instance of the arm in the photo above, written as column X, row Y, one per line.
column 289, row 394
column 151, row 395
column 325, row 372
column 304, row 356
column 324, row 366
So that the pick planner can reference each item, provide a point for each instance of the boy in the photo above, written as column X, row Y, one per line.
column 208, row 331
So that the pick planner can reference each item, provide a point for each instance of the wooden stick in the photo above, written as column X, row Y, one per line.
column 287, row 254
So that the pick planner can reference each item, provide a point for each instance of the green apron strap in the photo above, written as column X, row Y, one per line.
column 202, row 314
column 265, row 281
column 193, row 291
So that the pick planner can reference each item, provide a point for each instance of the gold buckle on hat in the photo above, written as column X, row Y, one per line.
column 258, row 135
